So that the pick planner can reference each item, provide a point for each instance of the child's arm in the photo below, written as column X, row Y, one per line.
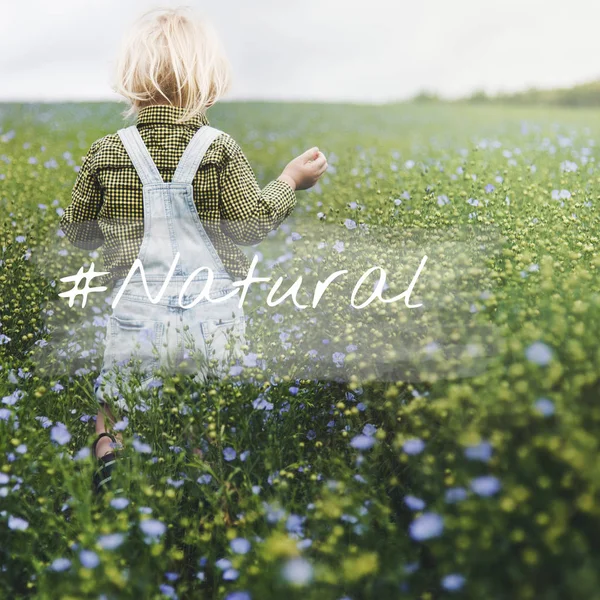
column 248, row 213
column 79, row 221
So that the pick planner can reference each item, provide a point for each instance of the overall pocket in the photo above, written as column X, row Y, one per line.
column 135, row 339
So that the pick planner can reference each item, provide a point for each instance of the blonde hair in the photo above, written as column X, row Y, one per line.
column 171, row 56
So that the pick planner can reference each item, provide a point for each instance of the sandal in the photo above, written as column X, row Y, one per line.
column 103, row 475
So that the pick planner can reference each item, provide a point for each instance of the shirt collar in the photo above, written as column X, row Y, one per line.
column 165, row 113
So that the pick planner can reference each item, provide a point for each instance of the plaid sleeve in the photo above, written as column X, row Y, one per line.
column 80, row 219
column 247, row 212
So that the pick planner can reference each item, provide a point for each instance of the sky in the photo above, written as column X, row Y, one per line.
column 320, row 50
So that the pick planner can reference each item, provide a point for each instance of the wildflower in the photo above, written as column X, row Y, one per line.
column 350, row 224
column 545, row 406
column 487, row 485
column 414, row 503
column 60, row 434
column 240, row 545
column 153, row 528
column 427, row 526
column 413, row 446
column 455, row 494
column 89, row 559
column 111, row 541
column 60, row 564
column 241, row 595
column 141, row 447
column 453, row 582
column 17, row 524
column 119, row 503
column 229, row 454
column 362, row 442
column 482, row 451
column 231, row 574
column 298, row 571
column 539, row 354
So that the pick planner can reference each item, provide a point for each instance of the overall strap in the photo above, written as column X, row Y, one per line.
column 194, row 153
column 139, row 155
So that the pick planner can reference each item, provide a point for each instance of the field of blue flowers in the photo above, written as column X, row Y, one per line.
column 390, row 452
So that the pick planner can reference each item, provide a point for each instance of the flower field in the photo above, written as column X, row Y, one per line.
column 444, row 445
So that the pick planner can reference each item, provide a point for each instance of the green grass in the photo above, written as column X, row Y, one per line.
column 496, row 375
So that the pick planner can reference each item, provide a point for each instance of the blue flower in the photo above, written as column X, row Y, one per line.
column 60, row 564
column 206, row 478
column 231, row 574
column 427, row 526
column 482, row 451
column 60, row 434
column 413, row 446
column 111, row 541
column 241, row 595
column 17, row 524
column 369, row 429
column 298, row 571
column 153, row 527
column 539, row 353
column 350, row 224
column 453, row 582
column 455, row 494
column 240, row 545
column 119, row 503
column 229, row 454
column 414, row 503
column 362, row 442
column 89, row 559
column 167, row 590
column 545, row 406
column 141, row 447
column 486, row 485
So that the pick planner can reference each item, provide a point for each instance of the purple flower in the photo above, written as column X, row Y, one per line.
column 298, row 571
column 206, row 478
column 453, row 582
column 241, row 595
column 414, row 503
column 229, row 454
column 60, row 564
column 231, row 574
column 545, row 406
column 350, row 224
column 119, row 503
column 60, row 434
column 167, row 590
column 153, row 527
column 427, row 526
column 539, row 353
column 486, row 485
column 17, row 524
column 483, row 452
column 369, row 429
column 89, row 559
column 111, row 541
column 456, row 494
column 413, row 446
column 240, row 545
column 362, row 442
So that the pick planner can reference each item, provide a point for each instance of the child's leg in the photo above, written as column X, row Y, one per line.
column 104, row 444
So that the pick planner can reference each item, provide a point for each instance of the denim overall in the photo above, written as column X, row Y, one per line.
column 201, row 339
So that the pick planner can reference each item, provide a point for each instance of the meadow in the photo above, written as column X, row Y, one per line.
column 446, row 451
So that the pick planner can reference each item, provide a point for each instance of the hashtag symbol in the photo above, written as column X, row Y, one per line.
column 86, row 289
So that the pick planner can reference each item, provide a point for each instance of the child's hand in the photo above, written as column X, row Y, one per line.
column 304, row 171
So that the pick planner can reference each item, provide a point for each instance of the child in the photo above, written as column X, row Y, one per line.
column 172, row 185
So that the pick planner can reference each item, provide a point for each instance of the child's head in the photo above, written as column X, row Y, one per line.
column 172, row 57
